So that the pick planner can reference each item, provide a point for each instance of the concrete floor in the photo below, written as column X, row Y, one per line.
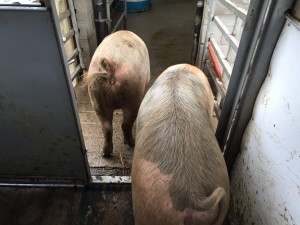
column 167, row 29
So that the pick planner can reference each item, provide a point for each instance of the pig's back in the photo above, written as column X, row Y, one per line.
column 175, row 135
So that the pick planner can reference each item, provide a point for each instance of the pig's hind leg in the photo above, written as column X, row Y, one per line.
column 129, row 116
column 105, row 117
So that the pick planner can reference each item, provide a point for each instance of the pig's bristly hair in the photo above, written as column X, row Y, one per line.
column 174, row 131
column 91, row 79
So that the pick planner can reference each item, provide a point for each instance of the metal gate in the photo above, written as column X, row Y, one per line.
column 40, row 134
column 221, row 34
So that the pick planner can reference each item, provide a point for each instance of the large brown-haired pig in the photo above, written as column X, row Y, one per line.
column 179, row 174
column 117, row 78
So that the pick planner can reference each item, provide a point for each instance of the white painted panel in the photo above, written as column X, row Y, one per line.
column 265, row 181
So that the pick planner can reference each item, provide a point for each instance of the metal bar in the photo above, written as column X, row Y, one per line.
column 234, row 26
column 41, row 185
column 73, row 55
column 100, row 21
column 215, row 61
column 75, row 28
column 226, row 33
column 293, row 21
column 239, row 34
column 233, row 34
column 214, row 76
column 122, row 17
column 208, row 30
column 197, row 27
column 235, row 9
column 107, row 5
column 222, row 59
column 23, row 8
column 74, row 73
column 118, row 22
column 258, row 41
column 70, row 34
column 237, row 27
column 64, row 15
column 125, row 17
column 228, row 52
column 109, row 2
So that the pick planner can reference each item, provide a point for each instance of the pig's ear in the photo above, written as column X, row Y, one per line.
column 108, row 66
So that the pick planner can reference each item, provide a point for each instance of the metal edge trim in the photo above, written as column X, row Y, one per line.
column 293, row 21
column 22, row 8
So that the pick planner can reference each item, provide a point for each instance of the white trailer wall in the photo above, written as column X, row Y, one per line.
column 265, row 181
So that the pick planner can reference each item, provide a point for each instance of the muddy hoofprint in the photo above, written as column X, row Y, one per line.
column 117, row 78
column 179, row 175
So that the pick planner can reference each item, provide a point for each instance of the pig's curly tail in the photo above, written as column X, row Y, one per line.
column 90, row 79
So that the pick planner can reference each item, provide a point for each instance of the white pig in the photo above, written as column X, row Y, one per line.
column 117, row 78
column 179, row 175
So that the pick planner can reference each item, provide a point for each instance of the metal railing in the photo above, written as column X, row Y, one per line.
column 120, row 19
column 221, row 42
column 75, row 58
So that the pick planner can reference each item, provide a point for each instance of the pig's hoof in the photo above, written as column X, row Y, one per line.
column 130, row 142
column 107, row 150
column 106, row 155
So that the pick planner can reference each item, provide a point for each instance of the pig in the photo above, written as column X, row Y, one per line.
column 179, row 175
column 117, row 78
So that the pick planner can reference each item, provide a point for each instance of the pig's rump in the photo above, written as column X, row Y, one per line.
column 154, row 203
column 119, row 71
column 179, row 175
column 117, row 91
column 117, row 78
